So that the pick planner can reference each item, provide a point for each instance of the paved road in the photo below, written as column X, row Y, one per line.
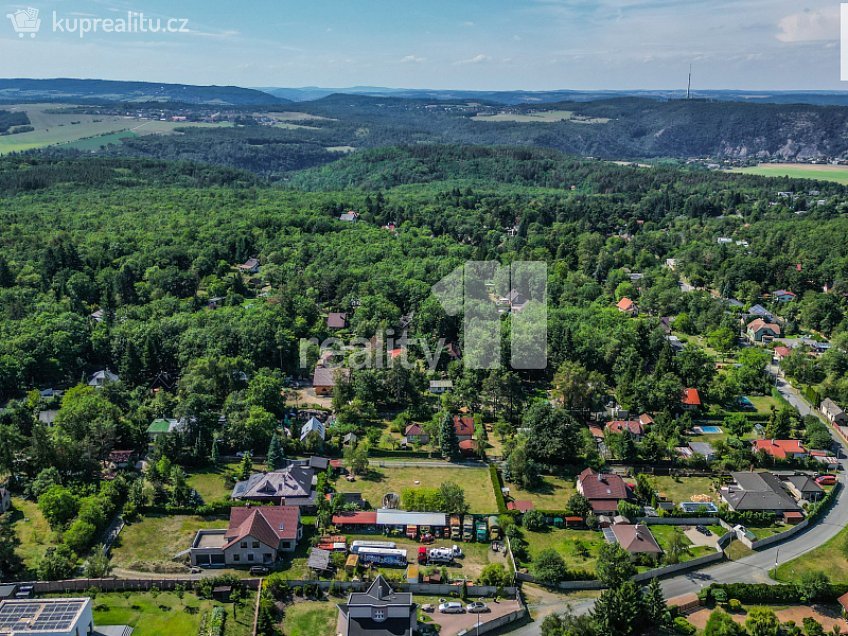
column 753, row 568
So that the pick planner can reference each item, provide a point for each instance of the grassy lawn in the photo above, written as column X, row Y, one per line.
column 679, row 489
column 663, row 535
column 310, row 618
column 382, row 480
column 33, row 531
column 166, row 613
column 838, row 174
column 829, row 558
column 552, row 494
column 737, row 550
column 579, row 548
column 764, row 533
column 763, row 403
column 210, row 481
column 151, row 543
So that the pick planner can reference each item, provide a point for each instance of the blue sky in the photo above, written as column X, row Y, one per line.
column 474, row 44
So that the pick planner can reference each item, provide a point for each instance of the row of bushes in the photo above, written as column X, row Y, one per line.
column 496, row 485
column 766, row 594
column 817, row 509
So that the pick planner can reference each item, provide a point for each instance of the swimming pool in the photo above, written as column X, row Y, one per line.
column 708, row 430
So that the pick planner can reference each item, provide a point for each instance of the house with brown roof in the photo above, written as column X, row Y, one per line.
column 603, row 490
column 634, row 427
column 324, row 379
column 337, row 320
column 463, row 426
column 250, row 266
column 691, row 399
column 636, row 539
column 416, row 435
column 255, row 536
column 627, row 306
column 780, row 353
column 761, row 331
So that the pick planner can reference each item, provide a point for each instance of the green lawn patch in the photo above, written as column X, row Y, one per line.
column 830, row 557
column 579, row 548
column 310, row 618
column 680, row 489
column 166, row 613
column 33, row 531
column 663, row 536
column 552, row 494
column 382, row 480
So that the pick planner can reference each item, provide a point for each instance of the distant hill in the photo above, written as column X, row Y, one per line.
column 94, row 90
column 309, row 93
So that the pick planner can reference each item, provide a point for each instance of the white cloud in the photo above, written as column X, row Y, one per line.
column 810, row 26
column 412, row 59
column 477, row 59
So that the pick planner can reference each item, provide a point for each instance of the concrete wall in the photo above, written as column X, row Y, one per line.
column 668, row 570
column 497, row 623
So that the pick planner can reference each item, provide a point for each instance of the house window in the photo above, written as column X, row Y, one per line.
column 286, row 545
column 250, row 557
column 255, row 544
column 244, row 544
column 379, row 615
column 236, row 557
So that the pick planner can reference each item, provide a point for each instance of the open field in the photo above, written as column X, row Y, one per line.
column 150, row 543
column 838, row 174
column 166, row 613
column 382, row 480
column 52, row 129
column 33, row 531
column 830, row 558
column 310, row 618
column 579, row 548
column 679, row 489
column 552, row 494
column 541, row 116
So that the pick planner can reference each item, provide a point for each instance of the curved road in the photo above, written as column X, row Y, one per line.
column 753, row 568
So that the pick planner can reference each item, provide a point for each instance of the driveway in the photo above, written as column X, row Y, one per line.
column 453, row 624
column 700, row 539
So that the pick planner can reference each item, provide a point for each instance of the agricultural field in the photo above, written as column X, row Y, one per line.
column 552, row 493
column 310, row 618
column 680, row 489
column 541, row 116
column 33, row 531
column 165, row 613
column 56, row 128
column 383, row 479
column 837, row 174
column 150, row 544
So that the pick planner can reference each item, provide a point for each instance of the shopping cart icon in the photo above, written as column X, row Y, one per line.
column 25, row 21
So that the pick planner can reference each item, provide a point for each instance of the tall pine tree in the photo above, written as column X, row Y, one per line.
column 448, row 442
column 276, row 457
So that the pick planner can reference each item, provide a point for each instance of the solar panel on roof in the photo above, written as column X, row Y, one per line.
column 43, row 615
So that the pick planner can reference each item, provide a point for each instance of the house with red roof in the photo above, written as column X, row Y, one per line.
column 468, row 447
column 634, row 427
column 603, row 490
column 256, row 536
column 691, row 399
column 463, row 426
column 761, row 331
column 780, row 353
column 415, row 434
column 783, row 296
column 645, row 420
column 780, row 448
column 627, row 306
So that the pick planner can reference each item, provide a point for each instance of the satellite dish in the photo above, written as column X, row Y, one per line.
column 391, row 501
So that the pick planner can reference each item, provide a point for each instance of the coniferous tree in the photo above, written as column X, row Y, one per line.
column 655, row 607
column 246, row 467
column 448, row 442
column 275, row 454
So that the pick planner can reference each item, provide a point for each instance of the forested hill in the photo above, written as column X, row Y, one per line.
column 383, row 168
column 89, row 90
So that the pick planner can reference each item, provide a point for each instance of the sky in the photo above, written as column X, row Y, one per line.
column 459, row 44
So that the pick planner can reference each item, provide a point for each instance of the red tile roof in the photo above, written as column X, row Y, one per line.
column 636, row 539
column 337, row 320
column 463, row 425
column 691, row 397
column 645, row 419
column 268, row 524
column 619, row 426
column 355, row 519
column 782, row 352
column 759, row 323
column 601, row 485
column 522, row 505
column 779, row 448
column 414, row 429
column 625, row 304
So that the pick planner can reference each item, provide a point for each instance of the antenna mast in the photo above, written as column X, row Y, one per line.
column 689, row 86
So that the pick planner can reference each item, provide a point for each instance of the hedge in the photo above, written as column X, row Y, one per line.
column 496, row 485
column 765, row 594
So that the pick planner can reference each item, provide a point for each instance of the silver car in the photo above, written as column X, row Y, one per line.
column 476, row 608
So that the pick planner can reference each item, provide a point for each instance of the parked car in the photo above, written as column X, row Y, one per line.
column 704, row 531
column 476, row 607
column 259, row 570
column 451, row 607
column 428, row 607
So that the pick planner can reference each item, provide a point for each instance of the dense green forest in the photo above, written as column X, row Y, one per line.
column 8, row 120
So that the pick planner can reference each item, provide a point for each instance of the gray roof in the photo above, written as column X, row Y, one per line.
column 832, row 408
column 318, row 559
column 294, row 483
column 804, row 484
column 702, row 448
column 758, row 491
column 380, row 594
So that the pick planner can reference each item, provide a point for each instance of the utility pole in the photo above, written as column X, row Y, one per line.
column 689, row 85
